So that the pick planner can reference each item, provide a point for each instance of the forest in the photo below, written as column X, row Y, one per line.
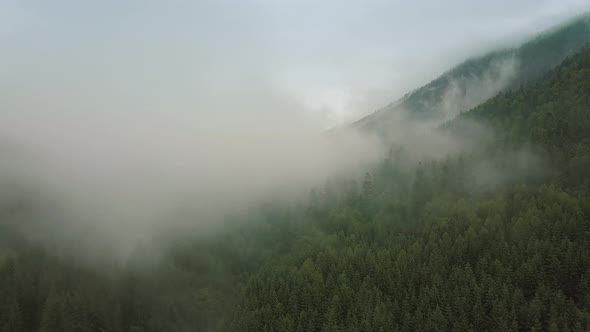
column 495, row 237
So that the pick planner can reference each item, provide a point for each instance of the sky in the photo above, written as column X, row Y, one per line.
column 328, row 62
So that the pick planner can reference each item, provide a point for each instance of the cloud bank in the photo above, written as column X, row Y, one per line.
column 131, row 177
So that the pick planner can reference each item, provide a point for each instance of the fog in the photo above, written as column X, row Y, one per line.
column 128, row 178
column 118, row 178
column 420, row 130
column 126, row 120
column 463, row 95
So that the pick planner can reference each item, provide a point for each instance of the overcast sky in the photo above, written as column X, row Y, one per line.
column 333, row 60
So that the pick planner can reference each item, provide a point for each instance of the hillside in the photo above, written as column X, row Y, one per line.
column 483, row 240
column 476, row 80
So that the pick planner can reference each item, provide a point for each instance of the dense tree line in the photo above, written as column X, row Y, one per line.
column 495, row 238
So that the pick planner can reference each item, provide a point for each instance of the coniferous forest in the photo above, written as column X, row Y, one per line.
column 494, row 237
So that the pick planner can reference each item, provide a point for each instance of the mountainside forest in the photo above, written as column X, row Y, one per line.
column 494, row 237
column 475, row 80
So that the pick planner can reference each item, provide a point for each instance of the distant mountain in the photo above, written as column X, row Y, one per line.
column 476, row 80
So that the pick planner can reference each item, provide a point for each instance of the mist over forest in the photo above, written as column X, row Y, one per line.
column 130, row 178
column 290, row 166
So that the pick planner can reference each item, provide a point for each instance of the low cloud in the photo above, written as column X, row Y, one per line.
column 127, row 178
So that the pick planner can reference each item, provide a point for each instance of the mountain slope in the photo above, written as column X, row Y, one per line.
column 476, row 80
column 480, row 241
